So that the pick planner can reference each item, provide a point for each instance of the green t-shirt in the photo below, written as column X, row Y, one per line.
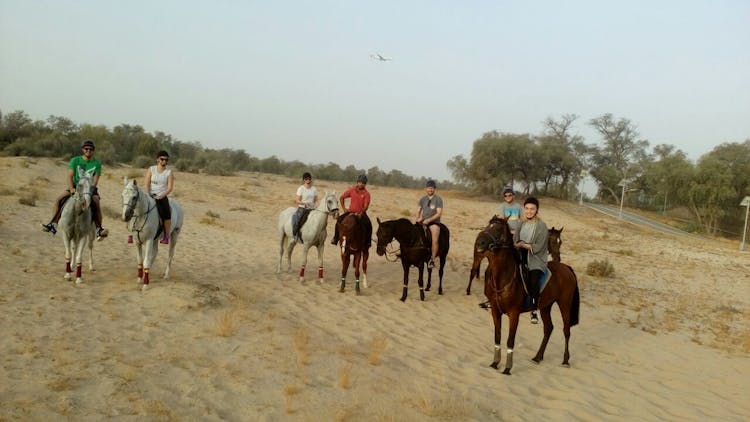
column 79, row 162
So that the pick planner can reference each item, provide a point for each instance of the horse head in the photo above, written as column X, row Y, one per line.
column 554, row 242
column 129, row 199
column 385, row 235
column 84, row 187
column 331, row 204
column 496, row 236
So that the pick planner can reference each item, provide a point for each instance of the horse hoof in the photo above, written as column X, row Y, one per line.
column 440, row 291
column 403, row 299
column 144, row 287
column 67, row 276
column 341, row 290
column 536, row 360
column 358, row 293
column 566, row 364
column 79, row 280
column 494, row 365
column 506, row 371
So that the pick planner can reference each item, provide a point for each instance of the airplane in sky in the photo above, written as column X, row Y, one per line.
column 380, row 58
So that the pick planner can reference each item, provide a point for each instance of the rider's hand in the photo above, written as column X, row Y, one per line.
column 72, row 190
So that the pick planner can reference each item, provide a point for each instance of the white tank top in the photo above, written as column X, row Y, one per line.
column 159, row 180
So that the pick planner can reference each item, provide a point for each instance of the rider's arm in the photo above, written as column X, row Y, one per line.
column 170, row 184
column 71, row 186
column 147, row 185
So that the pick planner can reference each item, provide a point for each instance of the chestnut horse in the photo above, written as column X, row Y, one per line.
column 490, row 234
column 415, row 249
column 505, row 292
column 353, row 244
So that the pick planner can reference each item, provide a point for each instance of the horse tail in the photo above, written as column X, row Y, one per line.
column 575, row 307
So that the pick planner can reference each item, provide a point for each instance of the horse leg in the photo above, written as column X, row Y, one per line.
column 305, row 249
column 68, row 256
column 548, row 327
column 440, row 274
column 320, row 249
column 512, row 328
column 172, row 241
column 344, row 268
column 420, row 280
column 497, row 322
column 365, row 255
column 282, row 247
column 474, row 273
column 429, row 279
column 80, row 245
column 405, row 265
column 357, row 261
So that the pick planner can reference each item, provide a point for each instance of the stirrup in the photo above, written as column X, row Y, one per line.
column 49, row 228
column 485, row 305
column 534, row 318
column 431, row 264
column 101, row 233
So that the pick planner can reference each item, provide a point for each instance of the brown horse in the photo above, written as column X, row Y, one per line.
column 414, row 249
column 490, row 234
column 353, row 244
column 554, row 241
column 505, row 292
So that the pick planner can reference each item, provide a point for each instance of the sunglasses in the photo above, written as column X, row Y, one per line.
column 164, row 159
column 507, row 195
column 88, row 149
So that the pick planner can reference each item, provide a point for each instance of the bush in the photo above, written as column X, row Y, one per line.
column 142, row 162
column 600, row 269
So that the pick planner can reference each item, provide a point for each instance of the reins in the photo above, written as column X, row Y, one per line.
column 145, row 215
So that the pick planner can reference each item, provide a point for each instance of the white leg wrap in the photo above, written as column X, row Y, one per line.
column 497, row 347
column 509, row 351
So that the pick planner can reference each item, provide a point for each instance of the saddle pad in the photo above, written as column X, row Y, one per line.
column 545, row 278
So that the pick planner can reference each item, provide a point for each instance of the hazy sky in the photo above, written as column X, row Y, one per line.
column 295, row 78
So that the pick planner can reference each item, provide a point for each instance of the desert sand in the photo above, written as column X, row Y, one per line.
column 666, row 337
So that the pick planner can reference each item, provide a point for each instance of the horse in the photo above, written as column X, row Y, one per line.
column 313, row 233
column 505, row 292
column 415, row 249
column 139, row 209
column 77, row 226
column 554, row 241
column 489, row 233
column 353, row 243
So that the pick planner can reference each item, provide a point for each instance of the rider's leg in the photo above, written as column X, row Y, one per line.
column 335, row 239
column 367, row 227
column 97, row 216
column 56, row 211
column 435, row 231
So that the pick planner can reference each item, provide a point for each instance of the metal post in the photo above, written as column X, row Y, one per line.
column 744, row 232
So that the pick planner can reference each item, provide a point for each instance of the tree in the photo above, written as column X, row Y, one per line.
column 620, row 157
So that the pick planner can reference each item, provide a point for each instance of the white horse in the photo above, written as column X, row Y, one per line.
column 313, row 233
column 77, row 225
column 145, row 226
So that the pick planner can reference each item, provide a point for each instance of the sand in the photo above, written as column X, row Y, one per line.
column 666, row 337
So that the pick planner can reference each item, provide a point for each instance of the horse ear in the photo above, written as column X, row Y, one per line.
column 378, row 218
column 553, row 228
column 561, row 229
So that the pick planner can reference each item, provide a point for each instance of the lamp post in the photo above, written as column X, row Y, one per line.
column 746, row 203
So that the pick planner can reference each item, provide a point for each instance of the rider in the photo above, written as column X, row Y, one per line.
column 306, row 199
column 86, row 162
column 429, row 212
column 359, row 202
column 531, row 241
column 510, row 210
column 159, row 184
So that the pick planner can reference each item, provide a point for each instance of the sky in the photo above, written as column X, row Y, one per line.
column 296, row 80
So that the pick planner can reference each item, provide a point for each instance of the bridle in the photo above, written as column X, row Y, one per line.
column 130, row 211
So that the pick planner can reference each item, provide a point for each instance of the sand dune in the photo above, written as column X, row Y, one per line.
column 226, row 338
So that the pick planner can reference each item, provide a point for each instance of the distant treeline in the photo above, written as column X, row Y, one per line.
column 554, row 162
column 60, row 137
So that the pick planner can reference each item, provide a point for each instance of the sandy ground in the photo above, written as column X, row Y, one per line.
column 667, row 337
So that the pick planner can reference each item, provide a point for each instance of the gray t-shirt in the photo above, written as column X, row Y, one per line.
column 429, row 206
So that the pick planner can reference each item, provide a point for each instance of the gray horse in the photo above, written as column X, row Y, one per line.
column 313, row 233
column 77, row 226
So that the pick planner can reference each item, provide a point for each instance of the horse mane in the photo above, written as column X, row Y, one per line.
column 495, row 219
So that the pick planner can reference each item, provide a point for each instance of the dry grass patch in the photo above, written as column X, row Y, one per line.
column 289, row 392
column 378, row 344
column 601, row 268
column 345, row 375
column 406, row 213
column 210, row 218
column 227, row 322
column 28, row 197
column 301, row 345
column 443, row 405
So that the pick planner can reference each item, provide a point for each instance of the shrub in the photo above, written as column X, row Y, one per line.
column 601, row 268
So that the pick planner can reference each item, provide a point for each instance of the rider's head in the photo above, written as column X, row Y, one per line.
column 88, row 143
column 508, row 194
column 530, row 207
column 431, row 184
column 362, row 178
column 306, row 176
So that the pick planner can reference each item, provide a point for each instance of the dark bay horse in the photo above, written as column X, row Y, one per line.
column 505, row 292
column 554, row 241
column 490, row 233
column 414, row 249
column 353, row 244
